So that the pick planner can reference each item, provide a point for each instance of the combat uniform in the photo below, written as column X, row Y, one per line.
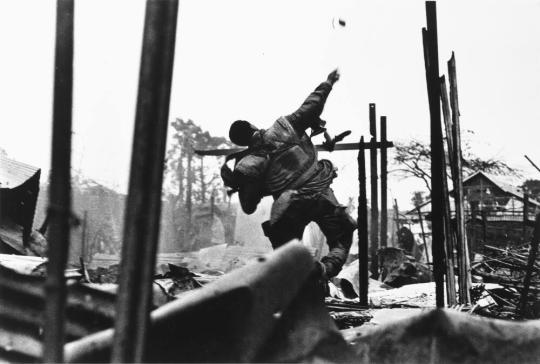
column 282, row 162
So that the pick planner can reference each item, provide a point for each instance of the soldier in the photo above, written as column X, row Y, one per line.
column 281, row 161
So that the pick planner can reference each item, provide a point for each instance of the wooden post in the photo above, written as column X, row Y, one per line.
column 462, row 246
column 450, row 236
column 533, row 252
column 450, row 242
column 143, row 206
column 60, row 187
column 363, row 242
column 384, row 185
column 525, row 216
column 374, row 232
column 423, row 233
column 432, row 76
column 448, row 126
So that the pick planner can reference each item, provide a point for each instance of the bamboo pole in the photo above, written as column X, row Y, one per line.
column 462, row 246
column 431, row 55
column 318, row 147
column 384, row 185
column 450, row 242
column 531, row 162
column 374, row 230
column 143, row 206
column 60, row 187
column 363, row 241
column 450, row 236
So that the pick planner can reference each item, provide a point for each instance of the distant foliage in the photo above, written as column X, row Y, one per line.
column 191, row 180
column 413, row 159
column 532, row 187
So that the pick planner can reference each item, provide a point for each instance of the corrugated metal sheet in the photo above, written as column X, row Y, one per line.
column 22, row 302
column 14, row 173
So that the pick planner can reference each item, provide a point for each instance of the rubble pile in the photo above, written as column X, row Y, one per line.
column 104, row 274
column 507, row 268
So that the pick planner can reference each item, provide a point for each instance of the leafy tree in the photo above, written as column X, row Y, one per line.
column 188, row 179
column 532, row 187
column 413, row 159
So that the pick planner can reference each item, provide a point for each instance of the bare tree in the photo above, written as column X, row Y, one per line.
column 413, row 159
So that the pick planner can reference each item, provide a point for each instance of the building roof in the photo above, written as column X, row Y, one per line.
column 14, row 173
column 509, row 189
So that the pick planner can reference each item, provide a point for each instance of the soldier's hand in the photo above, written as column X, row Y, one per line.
column 333, row 77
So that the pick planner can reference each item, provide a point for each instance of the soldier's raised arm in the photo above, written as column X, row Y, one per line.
column 308, row 115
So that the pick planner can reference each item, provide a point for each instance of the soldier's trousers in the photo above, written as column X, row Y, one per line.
column 328, row 214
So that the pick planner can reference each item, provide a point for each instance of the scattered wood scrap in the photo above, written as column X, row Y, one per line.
column 507, row 267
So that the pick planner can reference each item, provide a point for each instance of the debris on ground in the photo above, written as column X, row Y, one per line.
column 399, row 269
column 348, row 319
column 507, row 268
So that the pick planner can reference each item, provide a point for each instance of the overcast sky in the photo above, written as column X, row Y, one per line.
column 257, row 60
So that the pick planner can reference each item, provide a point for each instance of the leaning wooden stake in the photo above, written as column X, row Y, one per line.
column 384, row 185
column 450, row 242
column 533, row 252
column 60, row 187
column 450, row 236
column 462, row 246
column 531, row 162
column 363, row 241
column 431, row 56
column 143, row 207
column 374, row 226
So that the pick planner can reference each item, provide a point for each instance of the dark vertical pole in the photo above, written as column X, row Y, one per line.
column 143, row 207
column 384, row 186
column 423, row 233
column 533, row 252
column 60, row 186
column 450, row 242
column 362, row 226
column 432, row 76
column 525, row 216
column 374, row 232
column 461, row 232
column 451, row 236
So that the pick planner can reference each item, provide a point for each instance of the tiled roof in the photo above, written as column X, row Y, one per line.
column 14, row 173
